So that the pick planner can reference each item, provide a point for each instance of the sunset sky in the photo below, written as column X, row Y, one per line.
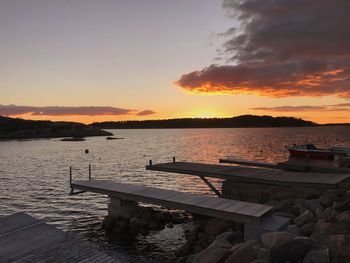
column 89, row 60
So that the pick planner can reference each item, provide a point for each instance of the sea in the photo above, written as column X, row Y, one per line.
column 34, row 174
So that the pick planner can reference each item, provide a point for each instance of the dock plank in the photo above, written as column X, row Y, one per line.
column 254, row 175
column 201, row 204
column 26, row 239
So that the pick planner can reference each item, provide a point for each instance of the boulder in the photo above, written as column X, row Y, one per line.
column 343, row 216
column 293, row 229
column 339, row 248
column 291, row 251
column 244, row 252
column 304, row 218
column 271, row 239
column 326, row 214
column 341, row 205
column 209, row 255
column 297, row 209
column 307, row 229
column 317, row 256
column 328, row 197
column 313, row 204
column 216, row 226
column 232, row 237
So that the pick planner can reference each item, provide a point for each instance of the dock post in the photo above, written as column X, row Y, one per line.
column 70, row 175
column 150, row 162
column 174, row 159
column 89, row 171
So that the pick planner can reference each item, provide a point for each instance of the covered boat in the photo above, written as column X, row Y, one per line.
column 311, row 151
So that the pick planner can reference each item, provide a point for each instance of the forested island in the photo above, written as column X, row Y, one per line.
column 13, row 128
column 243, row 121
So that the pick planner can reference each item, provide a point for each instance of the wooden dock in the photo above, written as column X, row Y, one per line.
column 255, row 175
column 237, row 211
column 248, row 163
column 26, row 239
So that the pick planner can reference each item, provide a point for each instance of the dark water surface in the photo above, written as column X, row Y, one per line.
column 34, row 174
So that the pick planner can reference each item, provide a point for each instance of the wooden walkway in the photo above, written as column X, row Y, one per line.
column 26, row 239
column 248, row 163
column 200, row 204
column 255, row 175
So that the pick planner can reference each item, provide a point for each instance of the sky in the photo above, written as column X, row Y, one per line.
column 88, row 60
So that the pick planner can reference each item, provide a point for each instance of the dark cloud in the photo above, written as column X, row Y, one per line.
column 146, row 113
column 333, row 107
column 10, row 110
column 282, row 48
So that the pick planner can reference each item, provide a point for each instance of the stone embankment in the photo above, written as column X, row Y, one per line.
column 319, row 231
column 143, row 220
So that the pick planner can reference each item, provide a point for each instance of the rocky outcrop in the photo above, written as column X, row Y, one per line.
column 11, row 128
column 319, row 232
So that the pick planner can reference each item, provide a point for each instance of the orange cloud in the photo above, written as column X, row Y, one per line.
column 278, row 81
column 281, row 49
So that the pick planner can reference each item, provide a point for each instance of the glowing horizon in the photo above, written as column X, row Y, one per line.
column 93, row 61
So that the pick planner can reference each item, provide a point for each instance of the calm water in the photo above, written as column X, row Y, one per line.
column 34, row 174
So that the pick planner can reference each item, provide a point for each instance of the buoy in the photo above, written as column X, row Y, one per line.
column 86, row 150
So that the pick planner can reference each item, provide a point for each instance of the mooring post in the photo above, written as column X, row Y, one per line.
column 89, row 171
column 174, row 159
column 70, row 175
column 150, row 162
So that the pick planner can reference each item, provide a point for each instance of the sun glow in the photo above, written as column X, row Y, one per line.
column 206, row 114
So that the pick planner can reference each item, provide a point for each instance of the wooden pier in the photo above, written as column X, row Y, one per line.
column 237, row 211
column 233, row 160
column 255, row 175
column 26, row 239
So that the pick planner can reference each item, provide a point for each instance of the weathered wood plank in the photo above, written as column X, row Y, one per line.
column 248, row 162
column 200, row 204
column 26, row 239
column 254, row 175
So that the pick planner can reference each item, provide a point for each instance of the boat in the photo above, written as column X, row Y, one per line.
column 311, row 151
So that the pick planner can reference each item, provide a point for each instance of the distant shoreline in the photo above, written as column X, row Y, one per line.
column 244, row 121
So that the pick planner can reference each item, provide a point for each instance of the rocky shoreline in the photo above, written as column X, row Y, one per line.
column 319, row 231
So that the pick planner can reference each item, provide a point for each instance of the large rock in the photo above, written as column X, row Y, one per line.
column 232, row 237
column 328, row 197
column 343, row 216
column 317, row 256
column 209, row 255
column 297, row 209
column 269, row 240
column 243, row 253
column 292, row 251
column 313, row 204
column 339, row 248
column 216, row 226
column 307, row 229
column 304, row 218
column 341, row 205
column 293, row 229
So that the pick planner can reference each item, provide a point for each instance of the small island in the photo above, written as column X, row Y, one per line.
column 14, row 128
column 243, row 121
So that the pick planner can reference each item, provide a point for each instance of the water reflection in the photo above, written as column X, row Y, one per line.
column 34, row 174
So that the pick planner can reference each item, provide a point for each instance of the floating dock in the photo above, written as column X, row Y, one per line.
column 237, row 211
column 26, row 239
column 255, row 175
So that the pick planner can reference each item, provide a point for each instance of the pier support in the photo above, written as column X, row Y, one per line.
column 118, row 207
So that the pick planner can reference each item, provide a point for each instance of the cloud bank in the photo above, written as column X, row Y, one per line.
column 282, row 48
column 333, row 107
column 146, row 113
column 12, row 110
